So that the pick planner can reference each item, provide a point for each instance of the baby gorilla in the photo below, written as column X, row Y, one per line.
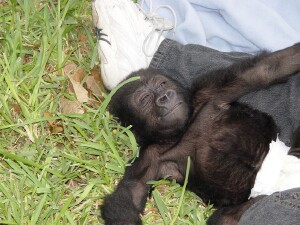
column 225, row 140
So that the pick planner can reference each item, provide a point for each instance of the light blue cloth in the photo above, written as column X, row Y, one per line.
column 234, row 25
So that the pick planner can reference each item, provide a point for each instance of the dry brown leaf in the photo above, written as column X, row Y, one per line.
column 80, row 92
column 55, row 125
column 95, row 72
column 58, row 128
column 27, row 59
column 69, row 68
column 78, row 75
column 92, row 85
column 17, row 109
column 75, row 80
column 70, row 87
column 48, row 114
column 68, row 106
column 82, row 37
column 94, row 103
column 73, row 183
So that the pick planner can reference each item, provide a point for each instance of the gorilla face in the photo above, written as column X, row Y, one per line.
column 160, row 104
column 156, row 106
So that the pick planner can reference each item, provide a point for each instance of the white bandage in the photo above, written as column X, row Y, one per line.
column 278, row 172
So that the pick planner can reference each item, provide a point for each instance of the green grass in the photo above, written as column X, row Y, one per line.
column 50, row 177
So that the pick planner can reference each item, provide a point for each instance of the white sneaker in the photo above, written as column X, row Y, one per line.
column 127, row 39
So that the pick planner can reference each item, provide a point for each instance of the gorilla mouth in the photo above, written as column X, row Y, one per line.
column 172, row 109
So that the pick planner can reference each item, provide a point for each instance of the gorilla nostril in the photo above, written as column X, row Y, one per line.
column 164, row 98
column 167, row 96
column 170, row 93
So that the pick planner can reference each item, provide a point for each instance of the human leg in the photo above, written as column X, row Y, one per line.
column 230, row 25
column 186, row 63
column 280, row 208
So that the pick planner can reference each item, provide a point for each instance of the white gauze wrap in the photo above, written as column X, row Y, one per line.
column 278, row 172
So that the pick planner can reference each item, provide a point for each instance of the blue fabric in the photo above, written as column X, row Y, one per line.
column 234, row 25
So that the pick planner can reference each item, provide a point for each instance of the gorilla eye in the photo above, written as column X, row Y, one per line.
column 162, row 84
column 145, row 99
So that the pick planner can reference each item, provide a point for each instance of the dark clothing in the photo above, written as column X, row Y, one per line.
column 186, row 63
column 280, row 208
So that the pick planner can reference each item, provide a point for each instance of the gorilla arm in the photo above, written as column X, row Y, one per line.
column 266, row 69
column 127, row 202
column 224, row 86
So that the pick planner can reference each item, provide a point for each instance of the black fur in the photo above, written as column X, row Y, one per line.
column 231, row 215
column 226, row 141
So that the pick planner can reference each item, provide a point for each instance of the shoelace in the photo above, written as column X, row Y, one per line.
column 160, row 24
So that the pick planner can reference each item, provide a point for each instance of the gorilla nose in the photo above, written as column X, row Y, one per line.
column 165, row 98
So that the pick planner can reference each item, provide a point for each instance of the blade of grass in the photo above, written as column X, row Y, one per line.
column 160, row 205
column 27, row 162
column 36, row 214
column 63, row 209
column 183, row 190
column 108, row 97
column 115, row 152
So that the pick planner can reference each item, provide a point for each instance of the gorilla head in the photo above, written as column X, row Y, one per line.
column 155, row 102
